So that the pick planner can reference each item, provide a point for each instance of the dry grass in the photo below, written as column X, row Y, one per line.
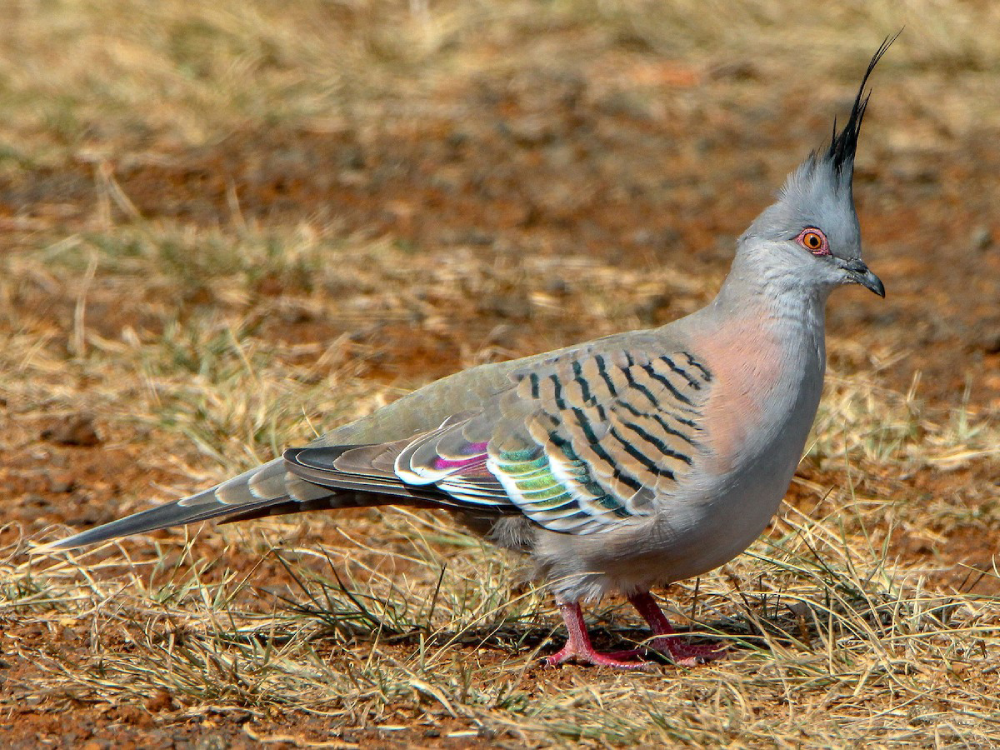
column 199, row 346
column 834, row 641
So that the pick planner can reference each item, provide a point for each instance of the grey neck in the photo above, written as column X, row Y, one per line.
column 771, row 292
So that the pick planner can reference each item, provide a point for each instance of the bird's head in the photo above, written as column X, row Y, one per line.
column 811, row 234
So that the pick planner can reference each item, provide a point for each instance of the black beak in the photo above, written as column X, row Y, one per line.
column 859, row 273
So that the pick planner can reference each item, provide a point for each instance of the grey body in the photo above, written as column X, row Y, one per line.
column 731, row 498
column 618, row 464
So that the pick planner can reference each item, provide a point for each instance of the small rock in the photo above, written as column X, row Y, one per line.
column 735, row 70
column 77, row 430
column 159, row 701
column 212, row 742
column 457, row 139
column 652, row 311
column 982, row 238
column 528, row 131
column 510, row 306
column 61, row 481
column 557, row 286
column 990, row 343
column 352, row 158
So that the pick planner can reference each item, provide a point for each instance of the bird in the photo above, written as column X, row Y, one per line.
column 616, row 465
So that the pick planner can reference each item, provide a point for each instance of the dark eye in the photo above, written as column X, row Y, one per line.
column 814, row 241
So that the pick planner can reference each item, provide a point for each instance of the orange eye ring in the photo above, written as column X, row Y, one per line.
column 813, row 240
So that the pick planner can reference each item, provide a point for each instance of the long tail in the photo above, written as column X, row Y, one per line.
column 305, row 479
column 266, row 490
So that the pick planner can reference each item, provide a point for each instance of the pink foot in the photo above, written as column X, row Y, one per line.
column 680, row 652
column 594, row 658
column 578, row 646
column 688, row 654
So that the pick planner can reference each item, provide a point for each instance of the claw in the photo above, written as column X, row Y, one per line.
column 688, row 654
column 668, row 643
column 579, row 648
column 616, row 659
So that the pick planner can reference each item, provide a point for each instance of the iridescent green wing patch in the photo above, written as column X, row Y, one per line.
column 593, row 437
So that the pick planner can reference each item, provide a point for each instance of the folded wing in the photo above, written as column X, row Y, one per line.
column 579, row 443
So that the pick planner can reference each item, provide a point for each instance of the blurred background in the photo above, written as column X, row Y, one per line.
column 641, row 135
column 227, row 225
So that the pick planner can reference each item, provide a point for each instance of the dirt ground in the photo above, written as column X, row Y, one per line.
column 533, row 188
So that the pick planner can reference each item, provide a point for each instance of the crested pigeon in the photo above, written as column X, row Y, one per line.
column 634, row 460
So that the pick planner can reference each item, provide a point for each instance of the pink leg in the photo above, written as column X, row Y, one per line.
column 684, row 654
column 578, row 645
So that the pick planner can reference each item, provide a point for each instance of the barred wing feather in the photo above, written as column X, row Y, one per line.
column 580, row 443
column 607, row 434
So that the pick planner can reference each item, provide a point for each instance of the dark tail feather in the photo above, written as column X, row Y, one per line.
column 338, row 501
column 305, row 479
column 154, row 519
column 250, row 493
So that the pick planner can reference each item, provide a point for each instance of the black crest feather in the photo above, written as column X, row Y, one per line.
column 845, row 143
